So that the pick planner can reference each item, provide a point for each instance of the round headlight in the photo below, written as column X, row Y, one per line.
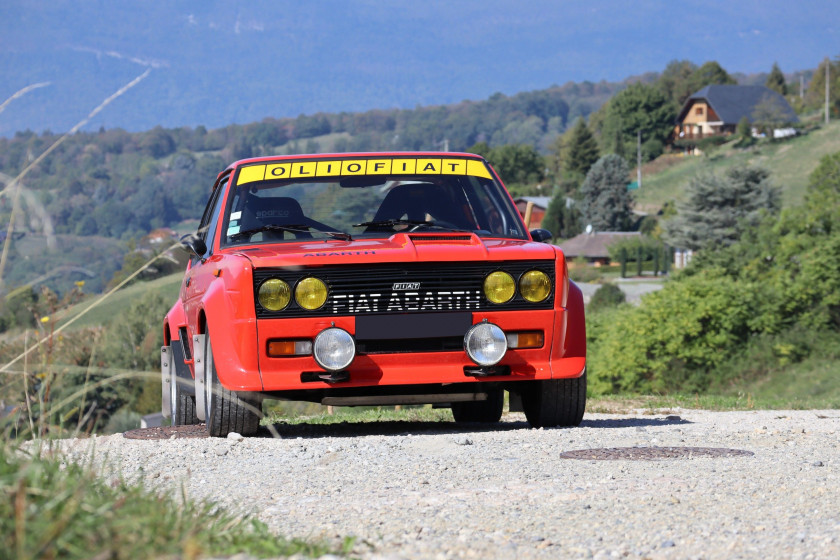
column 334, row 349
column 485, row 344
column 274, row 294
column 310, row 293
column 535, row 285
column 499, row 287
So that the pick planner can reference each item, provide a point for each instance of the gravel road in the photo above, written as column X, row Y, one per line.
column 422, row 490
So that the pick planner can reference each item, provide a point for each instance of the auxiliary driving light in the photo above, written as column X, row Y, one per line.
column 535, row 286
column 274, row 294
column 485, row 344
column 334, row 349
column 310, row 293
column 499, row 287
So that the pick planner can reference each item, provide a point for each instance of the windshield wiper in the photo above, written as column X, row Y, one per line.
column 293, row 228
column 394, row 222
column 414, row 223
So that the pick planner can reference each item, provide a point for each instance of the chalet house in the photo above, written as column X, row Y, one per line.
column 716, row 110
column 594, row 246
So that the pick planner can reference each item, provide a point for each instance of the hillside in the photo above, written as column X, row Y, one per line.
column 118, row 304
column 789, row 161
column 118, row 186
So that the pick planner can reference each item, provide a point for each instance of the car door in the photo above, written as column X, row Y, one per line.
column 202, row 267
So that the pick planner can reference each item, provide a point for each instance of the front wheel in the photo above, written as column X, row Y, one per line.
column 555, row 402
column 226, row 411
column 488, row 411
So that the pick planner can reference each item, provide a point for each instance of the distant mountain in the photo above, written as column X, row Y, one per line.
column 228, row 61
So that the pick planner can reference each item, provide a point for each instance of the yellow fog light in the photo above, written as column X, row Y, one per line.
column 274, row 294
column 535, row 286
column 310, row 293
column 499, row 287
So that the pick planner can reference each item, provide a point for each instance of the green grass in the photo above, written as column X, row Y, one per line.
column 790, row 163
column 49, row 510
column 744, row 400
column 119, row 302
column 812, row 383
column 354, row 415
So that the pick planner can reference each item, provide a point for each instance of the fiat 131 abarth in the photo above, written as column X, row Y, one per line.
column 371, row 279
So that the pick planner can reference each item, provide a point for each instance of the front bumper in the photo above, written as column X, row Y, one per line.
column 396, row 366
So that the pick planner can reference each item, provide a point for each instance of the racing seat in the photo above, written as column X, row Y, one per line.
column 417, row 201
column 280, row 211
column 405, row 201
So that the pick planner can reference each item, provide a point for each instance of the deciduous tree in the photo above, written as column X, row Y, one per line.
column 674, row 81
column 711, row 73
column 642, row 108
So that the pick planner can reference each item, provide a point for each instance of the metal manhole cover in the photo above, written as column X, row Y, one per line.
column 168, row 432
column 654, row 453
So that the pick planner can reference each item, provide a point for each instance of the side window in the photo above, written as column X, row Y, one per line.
column 210, row 219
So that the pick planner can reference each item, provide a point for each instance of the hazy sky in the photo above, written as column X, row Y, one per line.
column 332, row 55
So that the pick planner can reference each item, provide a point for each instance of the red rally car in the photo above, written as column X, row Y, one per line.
column 371, row 279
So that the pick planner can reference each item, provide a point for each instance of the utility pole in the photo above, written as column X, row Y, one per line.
column 827, row 65
column 639, row 157
column 801, row 86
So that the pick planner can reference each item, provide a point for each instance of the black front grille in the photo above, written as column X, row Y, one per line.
column 403, row 288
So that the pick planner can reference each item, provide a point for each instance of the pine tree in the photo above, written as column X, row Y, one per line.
column 561, row 217
column 605, row 201
column 776, row 80
column 720, row 208
column 581, row 151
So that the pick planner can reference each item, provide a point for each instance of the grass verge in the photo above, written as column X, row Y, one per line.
column 354, row 415
column 657, row 404
column 52, row 510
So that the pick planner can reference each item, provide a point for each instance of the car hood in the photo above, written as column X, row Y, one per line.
column 397, row 248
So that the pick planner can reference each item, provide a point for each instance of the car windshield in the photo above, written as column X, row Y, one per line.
column 365, row 206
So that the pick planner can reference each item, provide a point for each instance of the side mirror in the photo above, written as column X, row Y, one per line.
column 194, row 244
column 541, row 235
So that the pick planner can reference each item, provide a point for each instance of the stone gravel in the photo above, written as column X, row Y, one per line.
column 441, row 490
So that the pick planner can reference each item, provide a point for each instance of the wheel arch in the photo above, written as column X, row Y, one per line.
column 574, row 344
column 234, row 342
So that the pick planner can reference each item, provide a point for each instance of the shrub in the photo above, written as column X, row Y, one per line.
column 672, row 339
column 608, row 295
column 581, row 271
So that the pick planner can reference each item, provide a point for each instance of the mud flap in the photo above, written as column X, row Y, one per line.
column 166, row 368
column 198, row 365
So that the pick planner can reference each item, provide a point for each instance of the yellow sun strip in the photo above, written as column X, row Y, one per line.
column 349, row 167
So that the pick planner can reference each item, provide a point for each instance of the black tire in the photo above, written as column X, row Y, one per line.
column 181, row 404
column 226, row 411
column 556, row 402
column 488, row 411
